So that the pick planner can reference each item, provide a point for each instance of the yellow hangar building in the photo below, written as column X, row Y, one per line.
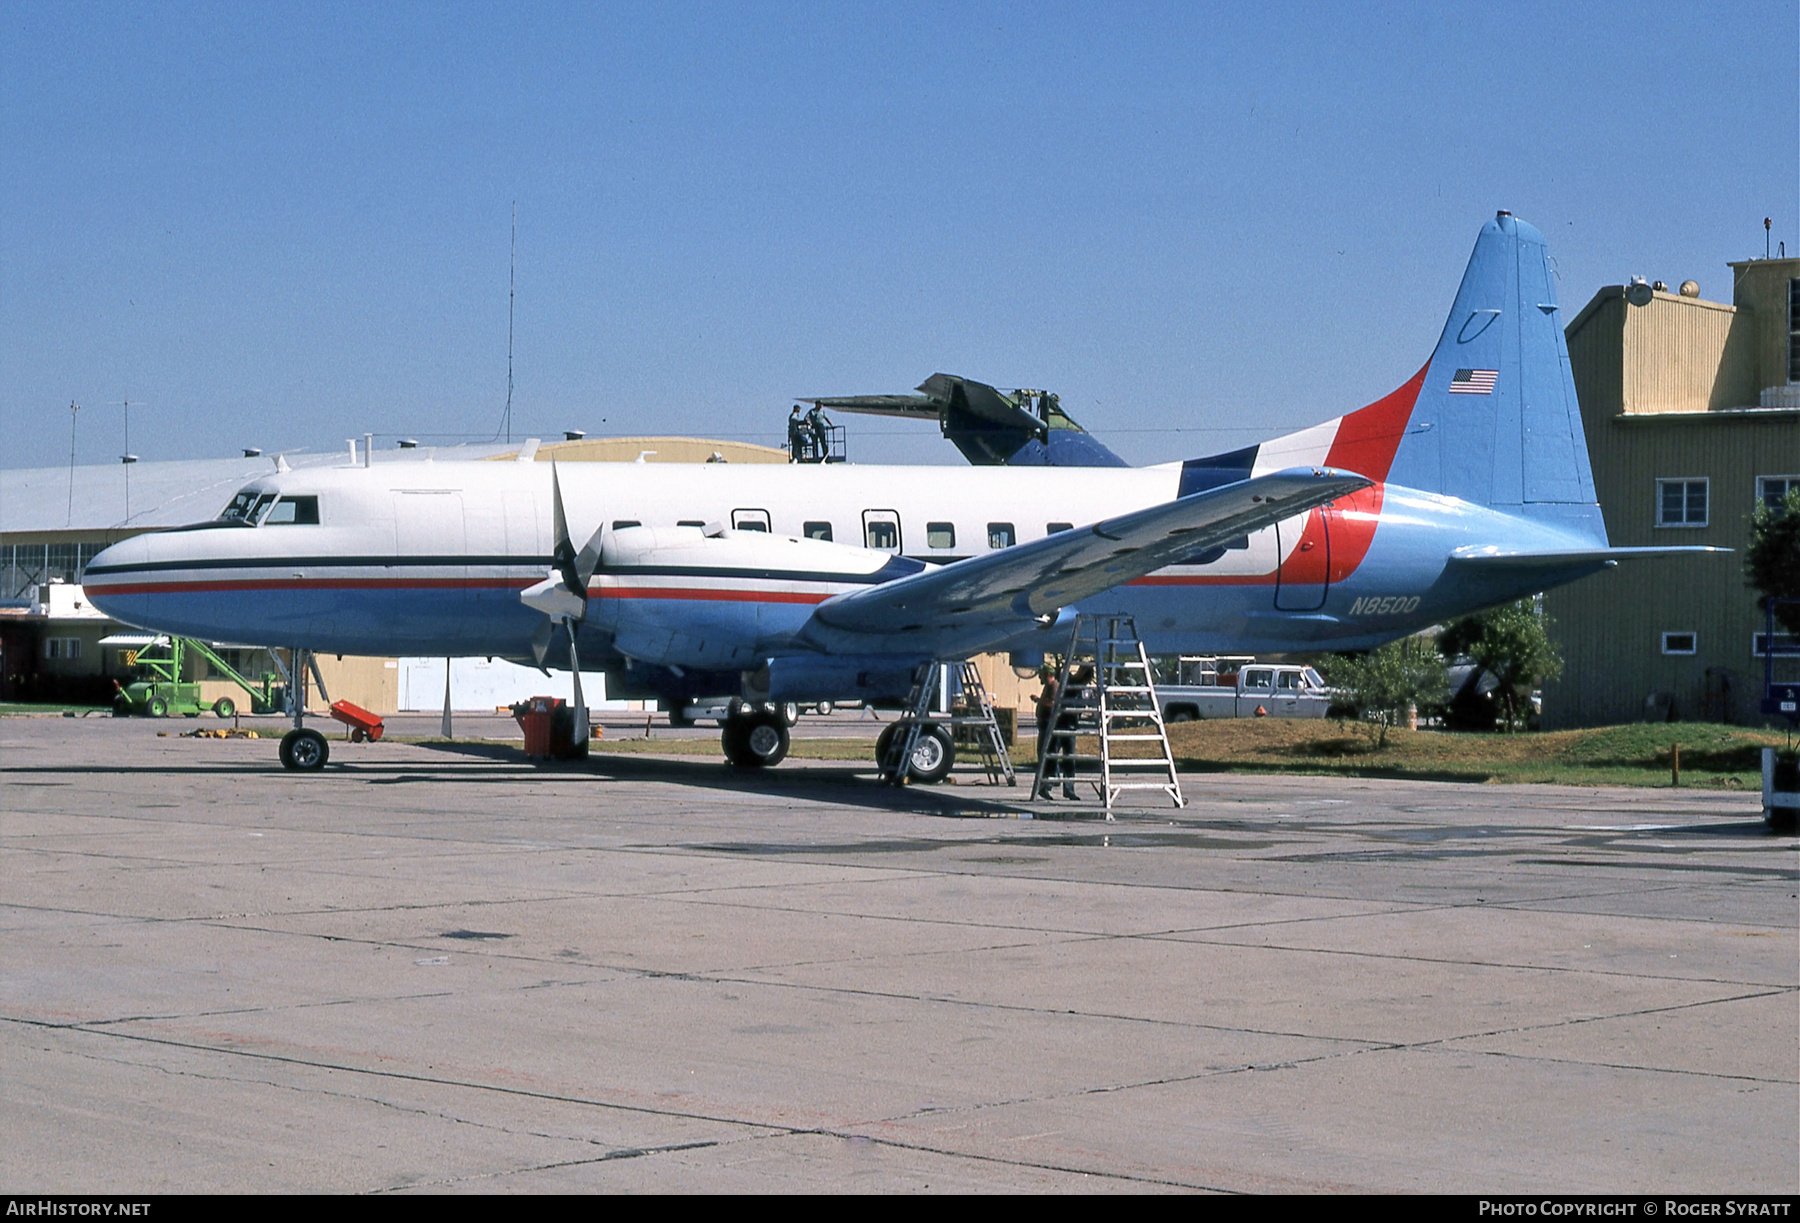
column 1692, row 414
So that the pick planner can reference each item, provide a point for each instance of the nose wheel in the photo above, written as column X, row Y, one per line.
column 304, row 750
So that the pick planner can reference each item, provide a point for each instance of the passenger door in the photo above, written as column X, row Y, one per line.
column 881, row 530
column 1303, row 574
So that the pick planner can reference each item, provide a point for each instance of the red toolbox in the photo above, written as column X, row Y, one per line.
column 362, row 723
column 534, row 717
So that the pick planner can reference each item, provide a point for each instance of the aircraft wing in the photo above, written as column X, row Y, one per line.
column 972, row 605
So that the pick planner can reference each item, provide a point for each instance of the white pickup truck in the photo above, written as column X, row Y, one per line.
column 1253, row 690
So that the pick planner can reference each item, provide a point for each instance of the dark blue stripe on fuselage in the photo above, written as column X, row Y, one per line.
column 1213, row 471
column 896, row 567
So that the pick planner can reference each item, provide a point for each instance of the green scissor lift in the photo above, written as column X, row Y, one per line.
column 160, row 692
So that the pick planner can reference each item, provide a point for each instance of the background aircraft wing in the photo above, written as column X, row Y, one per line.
column 971, row 605
column 912, row 407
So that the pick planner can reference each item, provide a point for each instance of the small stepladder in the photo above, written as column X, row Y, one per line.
column 949, row 696
column 1106, row 690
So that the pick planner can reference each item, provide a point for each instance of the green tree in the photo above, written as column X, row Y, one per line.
column 1772, row 562
column 1385, row 681
column 1512, row 643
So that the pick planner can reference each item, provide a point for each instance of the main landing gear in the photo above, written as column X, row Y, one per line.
column 755, row 739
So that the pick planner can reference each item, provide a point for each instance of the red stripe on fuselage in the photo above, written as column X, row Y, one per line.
column 1366, row 442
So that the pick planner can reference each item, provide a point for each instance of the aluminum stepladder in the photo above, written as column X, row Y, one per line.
column 1106, row 690
column 948, row 695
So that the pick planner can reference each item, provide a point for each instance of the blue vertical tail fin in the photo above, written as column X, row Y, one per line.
column 1496, row 421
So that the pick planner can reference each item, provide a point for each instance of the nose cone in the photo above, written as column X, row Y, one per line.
column 109, row 581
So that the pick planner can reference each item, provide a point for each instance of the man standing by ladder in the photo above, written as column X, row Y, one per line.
column 1051, row 743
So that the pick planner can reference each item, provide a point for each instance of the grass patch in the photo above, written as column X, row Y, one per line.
column 17, row 707
column 1713, row 757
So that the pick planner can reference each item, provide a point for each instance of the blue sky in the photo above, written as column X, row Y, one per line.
column 281, row 226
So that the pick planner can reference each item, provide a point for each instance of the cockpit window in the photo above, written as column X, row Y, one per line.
column 294, row 511
column 240, row 507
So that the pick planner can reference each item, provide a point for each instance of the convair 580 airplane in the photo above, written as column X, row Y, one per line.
column 1467, row 487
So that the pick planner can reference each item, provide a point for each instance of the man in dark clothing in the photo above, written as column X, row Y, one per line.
column 796, row 435
column 1053, row 743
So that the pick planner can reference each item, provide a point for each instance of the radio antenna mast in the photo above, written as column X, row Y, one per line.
column 73, row 409
column 512, row 266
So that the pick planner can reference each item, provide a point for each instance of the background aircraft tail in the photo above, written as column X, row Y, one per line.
column 1491, row 418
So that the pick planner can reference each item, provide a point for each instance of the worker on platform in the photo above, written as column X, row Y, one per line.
column 797, row 438
column 820, row 424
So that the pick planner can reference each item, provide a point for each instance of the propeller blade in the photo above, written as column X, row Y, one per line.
column 589, row 559
column 540, row 643
column 564, row 553
column 581, row 732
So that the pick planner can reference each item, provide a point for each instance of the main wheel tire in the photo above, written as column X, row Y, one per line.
column 304, row 751
column 757, row 742
column 823, row 709
column 224, row 707
column 678, row 715
column 157, row 708
column 790, row 714
column 933, row 755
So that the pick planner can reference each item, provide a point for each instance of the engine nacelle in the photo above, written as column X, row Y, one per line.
column 836, row 678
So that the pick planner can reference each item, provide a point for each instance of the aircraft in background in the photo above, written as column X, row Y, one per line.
column 1022, row 428
column 1467, row 487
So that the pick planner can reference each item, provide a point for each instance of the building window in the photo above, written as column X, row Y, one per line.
column 62, row 647
column 1794, row 331
column 1773, row 490
column 817, row 530
column 1002, row 535
column 1787, row 645
column 1681, row 643
column 1681, row 503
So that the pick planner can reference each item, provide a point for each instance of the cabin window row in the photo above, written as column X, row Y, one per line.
column 880, row 529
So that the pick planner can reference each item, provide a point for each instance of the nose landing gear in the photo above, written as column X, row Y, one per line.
column 302, row 750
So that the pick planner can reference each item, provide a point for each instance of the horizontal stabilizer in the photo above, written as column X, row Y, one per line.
column 1554, row 558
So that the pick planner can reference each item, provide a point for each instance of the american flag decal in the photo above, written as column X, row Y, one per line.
column 1474, row 381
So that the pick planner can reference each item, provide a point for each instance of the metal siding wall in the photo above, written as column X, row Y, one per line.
column 1760, row 288
column 1674, row 358
column 1610, row 625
